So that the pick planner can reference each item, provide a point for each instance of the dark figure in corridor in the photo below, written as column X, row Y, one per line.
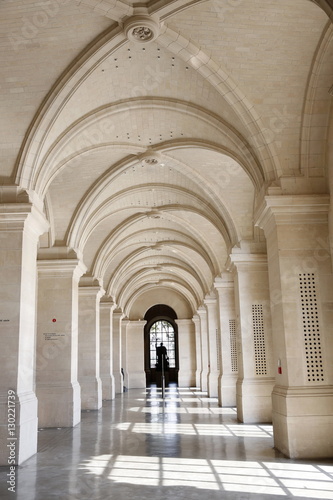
column 162, row 358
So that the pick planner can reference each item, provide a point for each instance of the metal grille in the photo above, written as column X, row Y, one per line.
column 259, row 339
column 233, row 345
column 218, row 347
column 311, row 330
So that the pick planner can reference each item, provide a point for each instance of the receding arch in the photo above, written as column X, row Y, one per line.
column 180, row 295
column 231, row 141
column 161, row 319
column 82, row 227
column 310, row 116
column 58, row 97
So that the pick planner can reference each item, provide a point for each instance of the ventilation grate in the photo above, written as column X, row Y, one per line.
column 311, row 330
column 259, row 339
column 218, row 348
column 233, row 345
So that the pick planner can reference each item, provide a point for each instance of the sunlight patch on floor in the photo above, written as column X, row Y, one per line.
column 267, row 478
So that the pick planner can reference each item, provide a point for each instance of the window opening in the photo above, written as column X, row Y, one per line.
column 162, row 331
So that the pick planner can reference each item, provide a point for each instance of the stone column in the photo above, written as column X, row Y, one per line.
column 117, row 351
column 187, row 355
column 21, row 224
column 197, row 327
column 224, row 286
column 202, row 313
column 124, row 325
column 57, row 387
column 90, row 293
column 301, row 284
column 106, row 341
column 255, row 359
column 136, row 355
column 213, row 344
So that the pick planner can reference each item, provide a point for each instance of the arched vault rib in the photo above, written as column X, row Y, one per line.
column 31, row 154
column 58, row 97
column 238, row 148
column 129, row 263
column 132, row 258
column 108, row 253
column 104, row 45
column 310, row 115
column 170, row 267
column 183, row 293
column 143, row 277
column 326, row 6
column 82, row 227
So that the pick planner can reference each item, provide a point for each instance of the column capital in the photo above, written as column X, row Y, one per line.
column 201, row 311
column 136, row 322
column 184, row 321
column 58, row 253
column 210, row 299
column 16, row 216
column 107, row 303
column 118, row 313
column 292, row 210
column 247, row 262
column 226, row 280
column 196, row 319
column 12, row 194
column 61, row 267
column 90, row 287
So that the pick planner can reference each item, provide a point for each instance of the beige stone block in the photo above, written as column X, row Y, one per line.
column 254, row 400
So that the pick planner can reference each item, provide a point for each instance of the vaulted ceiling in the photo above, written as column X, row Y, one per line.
column 149, row 148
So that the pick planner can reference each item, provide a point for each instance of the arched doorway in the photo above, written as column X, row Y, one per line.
column 161, row 327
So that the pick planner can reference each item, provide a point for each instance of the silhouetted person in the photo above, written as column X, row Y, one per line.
column 162, row 357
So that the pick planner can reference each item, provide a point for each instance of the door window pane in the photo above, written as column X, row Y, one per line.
column 162, row 331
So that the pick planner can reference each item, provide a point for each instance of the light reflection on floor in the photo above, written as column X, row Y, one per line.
column 184, row 447
column 299, row 480
column 200, row 429
column 281, row 479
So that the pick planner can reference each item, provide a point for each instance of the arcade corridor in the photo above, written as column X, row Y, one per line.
column 189, row 448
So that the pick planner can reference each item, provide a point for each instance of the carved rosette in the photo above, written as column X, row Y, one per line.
column 141, row 29
column 150, row 158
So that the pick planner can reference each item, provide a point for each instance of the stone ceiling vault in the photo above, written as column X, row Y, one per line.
column 149, row 155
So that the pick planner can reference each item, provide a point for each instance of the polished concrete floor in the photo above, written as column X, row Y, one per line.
column 184, row 447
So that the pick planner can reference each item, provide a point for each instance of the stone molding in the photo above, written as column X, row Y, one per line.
column 107, row 304
column 224, row 282
column 16, row 216
column 292, row 210
column 136, row 323
column 58, row 267
column 247, row 262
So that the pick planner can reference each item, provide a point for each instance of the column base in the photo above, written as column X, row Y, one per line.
column 227, row 390
column 254, row 400
column 59, row 405
column 303, row 421
column 198, row 378
column 213, row 384
column 108, row 389
column 118, row 382
column 23, row 415
column 91, row 393
column 136, row 380
column 204, row 380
